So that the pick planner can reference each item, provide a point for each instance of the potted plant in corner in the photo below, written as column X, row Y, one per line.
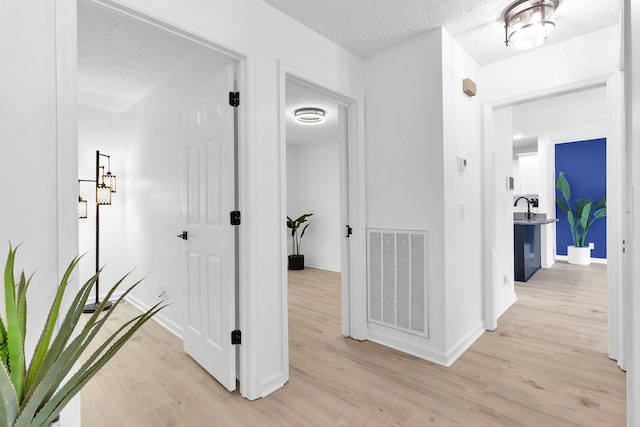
column 586, row 212
column 296, row 260
column 33, row 392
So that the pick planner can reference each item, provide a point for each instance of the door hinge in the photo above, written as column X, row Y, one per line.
column 236, row 337
column 349, row 230
column 234, row 99
column 235, row 217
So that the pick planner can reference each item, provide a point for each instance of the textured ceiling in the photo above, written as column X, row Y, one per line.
column 366, row 27
column 562, row 118
column 300, row 96
column 120, row 59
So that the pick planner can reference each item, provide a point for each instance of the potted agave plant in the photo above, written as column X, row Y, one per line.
column 296, row 260
column 32, row 393
column 580, row 220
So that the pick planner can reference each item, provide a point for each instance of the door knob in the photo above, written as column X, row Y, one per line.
column 182, row 235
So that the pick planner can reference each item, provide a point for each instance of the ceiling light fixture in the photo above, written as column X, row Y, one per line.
column 309, row 116
column 529, row 23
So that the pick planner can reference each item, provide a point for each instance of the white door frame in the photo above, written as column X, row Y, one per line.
column 615, row 191
column 66, row 46
column 67, row 155
column 354, row 297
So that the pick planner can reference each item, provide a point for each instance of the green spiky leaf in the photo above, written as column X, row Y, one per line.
column 15, row 336
column 52, row 379
column 8, row 400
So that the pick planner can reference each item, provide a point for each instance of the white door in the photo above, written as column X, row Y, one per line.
column 208, row 196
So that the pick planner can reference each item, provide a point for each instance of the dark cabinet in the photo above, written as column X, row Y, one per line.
column 526, row 250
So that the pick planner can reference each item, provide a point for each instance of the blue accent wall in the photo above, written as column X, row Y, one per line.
column 584, row 165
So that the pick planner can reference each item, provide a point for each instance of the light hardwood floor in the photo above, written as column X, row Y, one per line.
column 545, row 365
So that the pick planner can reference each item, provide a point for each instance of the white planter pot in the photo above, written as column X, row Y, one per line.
column 579, row 256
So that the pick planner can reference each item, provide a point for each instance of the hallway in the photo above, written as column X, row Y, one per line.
column 529, row 372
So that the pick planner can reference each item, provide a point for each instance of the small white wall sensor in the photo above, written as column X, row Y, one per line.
column 462, row 163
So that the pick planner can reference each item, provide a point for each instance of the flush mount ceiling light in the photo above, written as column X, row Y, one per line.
column 309, row 116
column 529, row 23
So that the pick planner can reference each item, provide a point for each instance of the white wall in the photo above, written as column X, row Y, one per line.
column 107, row 132
column 541, row 71
column 313, row 186
column 502, row 146
column 462, row 199
column 413, row 182
column 547, row 200
column 28, row 128
column 38, row 209
column 631, row 294
column 404, row 161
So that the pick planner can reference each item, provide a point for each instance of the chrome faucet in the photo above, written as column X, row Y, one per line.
column 528, row 205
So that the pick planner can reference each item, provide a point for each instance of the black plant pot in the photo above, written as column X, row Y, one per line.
column 296, row 262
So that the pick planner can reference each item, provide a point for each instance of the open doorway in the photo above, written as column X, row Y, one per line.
column 314, row 176
column 317, row 183
column 158, row 102
column 569, row 114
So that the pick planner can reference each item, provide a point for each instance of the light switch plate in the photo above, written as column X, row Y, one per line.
column 510, row 183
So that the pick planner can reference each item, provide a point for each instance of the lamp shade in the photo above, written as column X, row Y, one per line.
column 110, row 181
column 103, row 194
column 529, row 23
column 82, row 208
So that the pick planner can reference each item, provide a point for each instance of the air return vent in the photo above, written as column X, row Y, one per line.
column 397, row 291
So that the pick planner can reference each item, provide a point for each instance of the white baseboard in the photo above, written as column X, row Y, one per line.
column 593, row 260
column 323, row 267
column 405, row 342
column 419, row 346
column 454, row 352
column 161, row 319
column 512, row 299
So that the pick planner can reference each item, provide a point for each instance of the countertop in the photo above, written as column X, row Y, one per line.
column 520, row 218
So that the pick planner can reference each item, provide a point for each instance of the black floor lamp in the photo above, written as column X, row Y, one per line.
column 105, row 184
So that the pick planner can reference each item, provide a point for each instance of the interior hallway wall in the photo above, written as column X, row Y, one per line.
column 313, row 186
column 632, row 162
column 503, row 257
column 413, row 181
column 38, row 164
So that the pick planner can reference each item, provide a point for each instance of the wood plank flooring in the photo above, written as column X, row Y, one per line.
column 545, row 365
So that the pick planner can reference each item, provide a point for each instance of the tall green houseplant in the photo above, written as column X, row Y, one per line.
column 294, row 225
column 296, row 260
column 33, row 393
column 585, row 214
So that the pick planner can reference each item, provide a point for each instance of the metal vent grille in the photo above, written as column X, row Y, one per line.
column 397, row 279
